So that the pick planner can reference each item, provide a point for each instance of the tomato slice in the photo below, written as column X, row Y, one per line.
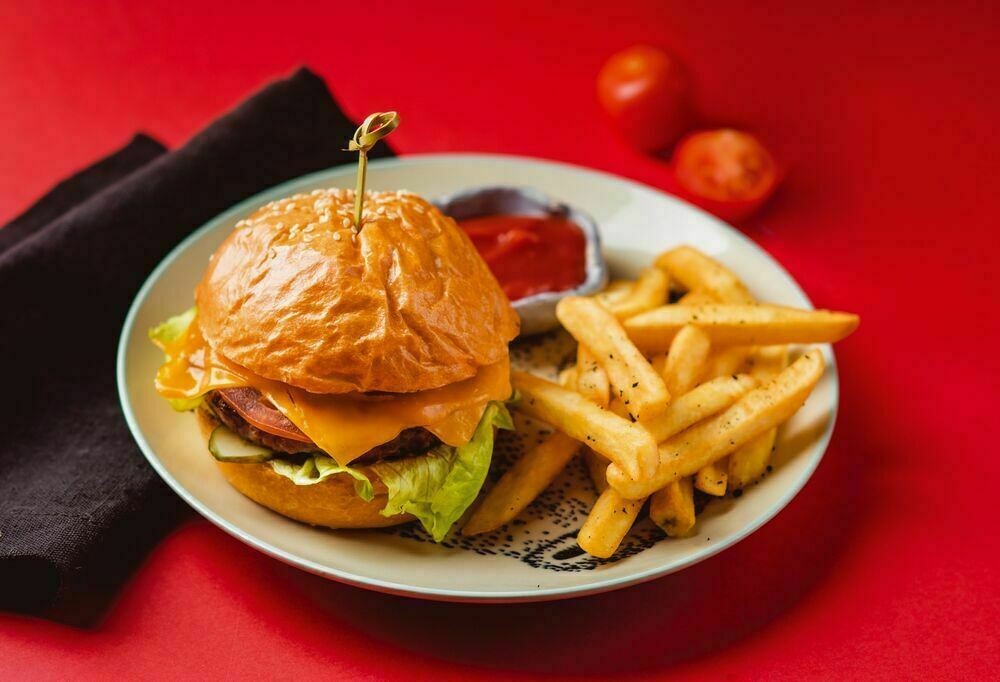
column 259, row 411
column 727, row 172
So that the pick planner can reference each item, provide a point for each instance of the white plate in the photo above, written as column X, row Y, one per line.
column 529, row 561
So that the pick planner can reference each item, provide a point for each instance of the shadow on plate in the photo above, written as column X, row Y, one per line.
column 679, row 617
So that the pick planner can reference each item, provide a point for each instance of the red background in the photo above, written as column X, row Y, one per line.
column 884, row 566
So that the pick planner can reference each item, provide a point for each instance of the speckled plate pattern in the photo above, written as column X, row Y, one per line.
column 535, row 557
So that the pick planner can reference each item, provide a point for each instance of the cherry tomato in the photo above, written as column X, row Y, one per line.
column 727, row 172
column 645, row 92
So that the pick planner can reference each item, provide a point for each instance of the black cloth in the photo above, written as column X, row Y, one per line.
column 78, row 502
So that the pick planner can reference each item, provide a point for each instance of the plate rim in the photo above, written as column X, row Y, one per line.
column 440, row 594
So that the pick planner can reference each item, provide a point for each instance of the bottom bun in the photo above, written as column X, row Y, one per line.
column 331, row 502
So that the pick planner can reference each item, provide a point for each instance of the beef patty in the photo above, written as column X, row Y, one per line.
column 414, row 441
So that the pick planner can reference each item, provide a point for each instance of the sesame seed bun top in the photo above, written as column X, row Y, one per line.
column 295, row 294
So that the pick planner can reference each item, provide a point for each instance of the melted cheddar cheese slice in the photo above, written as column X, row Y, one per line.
column 347, row 425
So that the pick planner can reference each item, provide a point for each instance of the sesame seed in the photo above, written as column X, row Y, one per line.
column 347, row 222
column 336, row 236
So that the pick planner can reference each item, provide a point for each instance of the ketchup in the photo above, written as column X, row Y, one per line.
column 530, row 254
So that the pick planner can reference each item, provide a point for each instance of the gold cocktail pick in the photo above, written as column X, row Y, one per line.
column 373, row 129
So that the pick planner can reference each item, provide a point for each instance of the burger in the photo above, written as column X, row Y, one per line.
column 345, row 375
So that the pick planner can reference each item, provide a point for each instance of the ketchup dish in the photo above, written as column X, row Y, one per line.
column 540, row 250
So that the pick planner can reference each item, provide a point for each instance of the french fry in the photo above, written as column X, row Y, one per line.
column 675, row 503
column 522, row 483
column 696, row 271
column 748, row 463
column 727, row 361
column 593, row 384
column 685, row 363
column 697, row 297
column 649, row 291
column 768, row 362
column 672, row 508
column 592, row 380
column 568, row 377
column 699, row 403
column 629, row 373
column 629, row 445
column 713, row 478
column 616, row 290
column 611, row 517
column 659, row 364
column 739, row 325
column 608, row 522
column 597, row 467
column 728, row 289
column 755, row 413
column 618, row 406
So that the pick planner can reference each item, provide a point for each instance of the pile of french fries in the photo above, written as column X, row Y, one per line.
column 664, row 398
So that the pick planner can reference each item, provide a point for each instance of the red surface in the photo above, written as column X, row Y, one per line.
column 884, row 566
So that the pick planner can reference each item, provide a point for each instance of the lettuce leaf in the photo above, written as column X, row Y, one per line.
column 172, row 330
column 438, row 487
column 319, row 467
column 166, row 335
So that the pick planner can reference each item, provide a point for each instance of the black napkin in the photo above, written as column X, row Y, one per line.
column 78, row 503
